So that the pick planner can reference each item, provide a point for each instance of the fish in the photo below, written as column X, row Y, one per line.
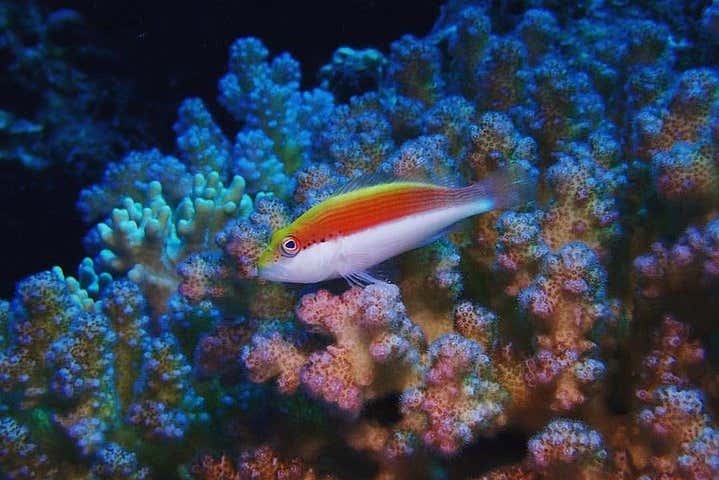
column 363, row 225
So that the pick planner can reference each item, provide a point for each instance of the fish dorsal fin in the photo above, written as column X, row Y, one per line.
column 449, row 180
column 365, row 180
column 380, row 176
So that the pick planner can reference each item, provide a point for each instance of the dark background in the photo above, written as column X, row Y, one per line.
column 173, row 50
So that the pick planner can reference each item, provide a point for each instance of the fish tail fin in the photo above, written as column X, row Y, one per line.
column 503, row 189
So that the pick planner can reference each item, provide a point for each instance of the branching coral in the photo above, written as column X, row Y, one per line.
column 100, row 366
column 673, row 275
column 148, row 242
column 458, row 397
column 565, row 302
column 167, row 403
column 375, row 350
column 265, row 95
column 672, row 412
column 259, row 464
column 133, row 177
column 584, row 207
column 675, row 133
column 202, row 144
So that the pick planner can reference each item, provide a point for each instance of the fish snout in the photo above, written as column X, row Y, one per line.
column 273, row 273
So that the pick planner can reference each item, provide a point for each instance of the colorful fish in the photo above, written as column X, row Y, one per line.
column 350, row 232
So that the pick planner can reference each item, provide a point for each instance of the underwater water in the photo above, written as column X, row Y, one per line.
column 389, row 240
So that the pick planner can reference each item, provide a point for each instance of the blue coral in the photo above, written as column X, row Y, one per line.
column 255, row 159
column 132, row 177
column 265, row 95
column 167, row 404
column 202, row 144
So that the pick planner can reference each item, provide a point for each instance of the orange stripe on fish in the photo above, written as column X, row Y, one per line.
column 354, row 211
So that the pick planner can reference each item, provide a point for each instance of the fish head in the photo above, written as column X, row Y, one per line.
column 276, row 259
column 288, row 258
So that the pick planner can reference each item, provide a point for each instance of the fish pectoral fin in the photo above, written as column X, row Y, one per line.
column 351, row 280
column 368, row 278
column 361, row 279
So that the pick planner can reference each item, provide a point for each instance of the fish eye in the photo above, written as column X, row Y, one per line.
column 290, row 246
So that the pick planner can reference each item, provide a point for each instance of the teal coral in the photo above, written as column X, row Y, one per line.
column 148, row 242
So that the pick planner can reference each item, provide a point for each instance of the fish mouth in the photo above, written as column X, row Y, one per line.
column 273, row 273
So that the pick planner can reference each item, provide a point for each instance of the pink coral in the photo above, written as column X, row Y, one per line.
column 692, row 261
column 477, row 323
column 269, row 356
column 438, row 276
column 519, row 249
column 512, row 472
column 217, row 352
column 496, row 142
column 449, row 119
column 203, row 277
column 211, row 468
column 673, row 414
column 676, row 134
column 424, row 158
column 673, row 360
column 568, row 449
column 566, row 106
column 262, row 463
column 700, row 458
column 565, row 302
column 314, row 184
column 687, row 443
column 584, row 207
column 396, row 452
column 371, row 329
column 372, row 337
column 458, row 399
column 499, row 77
column 562, row 449
column 268, row 301
column 244, row 241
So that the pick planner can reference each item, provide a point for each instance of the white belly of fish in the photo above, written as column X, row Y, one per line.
column 362, row 250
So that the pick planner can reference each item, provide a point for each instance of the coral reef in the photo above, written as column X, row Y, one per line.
column 577, row 331
column 60, row 111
